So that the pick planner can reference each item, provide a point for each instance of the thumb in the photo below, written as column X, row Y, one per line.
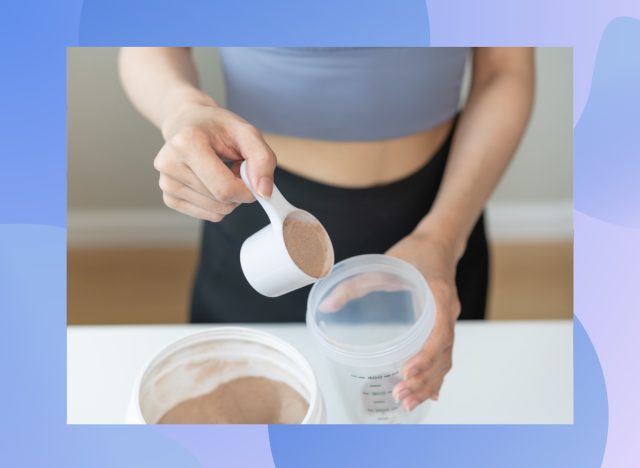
column 261, row 163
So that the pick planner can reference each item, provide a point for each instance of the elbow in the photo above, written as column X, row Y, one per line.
column 512, row 69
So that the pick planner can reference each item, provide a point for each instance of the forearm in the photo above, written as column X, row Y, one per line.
column 159, row 79
column 486, row 138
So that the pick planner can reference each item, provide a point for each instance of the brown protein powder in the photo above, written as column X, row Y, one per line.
column 246, row 400
column 306, row 242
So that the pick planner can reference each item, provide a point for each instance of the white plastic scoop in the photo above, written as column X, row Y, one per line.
column 265, row 260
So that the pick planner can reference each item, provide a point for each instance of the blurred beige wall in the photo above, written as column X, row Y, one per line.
column 543, row 167
column 111, row 147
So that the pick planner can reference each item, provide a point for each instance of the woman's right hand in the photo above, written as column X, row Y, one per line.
column 199, row 138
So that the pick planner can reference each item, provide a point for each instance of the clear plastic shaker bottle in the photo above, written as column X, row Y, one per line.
column 369, row 316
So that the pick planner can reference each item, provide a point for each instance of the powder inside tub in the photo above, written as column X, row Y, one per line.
column 246, row 400
column 306, row 242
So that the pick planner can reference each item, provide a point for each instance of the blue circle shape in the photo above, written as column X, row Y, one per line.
column 493, row 446
column 607, row 141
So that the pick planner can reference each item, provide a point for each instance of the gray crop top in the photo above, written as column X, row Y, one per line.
column 345, row 94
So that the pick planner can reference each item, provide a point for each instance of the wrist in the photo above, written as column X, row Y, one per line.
column 444, row 234
column 178, row 101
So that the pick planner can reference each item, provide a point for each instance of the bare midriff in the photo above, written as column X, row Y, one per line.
column 358, row 164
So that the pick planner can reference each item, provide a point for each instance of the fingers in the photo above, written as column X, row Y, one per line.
column 440, row 342
column 190, row 209
column 436, row 393
column 426, row 385
column 169, row 164
column 359, row 286
column 261, row 160
column 177, row 190
column 424, row 373
column 429, row 380
column 193, row 145
column 184, row 191
column 428, row 391
column 424, row 381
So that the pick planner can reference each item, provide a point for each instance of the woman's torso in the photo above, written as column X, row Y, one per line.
column 351, row 117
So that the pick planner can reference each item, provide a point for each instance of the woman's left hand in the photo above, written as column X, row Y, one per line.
column 424, row 373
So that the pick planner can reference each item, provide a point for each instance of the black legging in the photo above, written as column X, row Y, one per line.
column 359, row 221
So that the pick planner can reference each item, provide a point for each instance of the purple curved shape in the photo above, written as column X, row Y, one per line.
column 224, row 446
column 531, row 23
column 33, row 360
column 606, row 279
column 581, row 444
column 607, row 142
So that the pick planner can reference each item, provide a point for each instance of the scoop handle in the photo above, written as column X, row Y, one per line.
column 276, row 206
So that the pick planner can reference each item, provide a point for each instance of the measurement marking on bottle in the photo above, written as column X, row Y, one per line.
column 375, row 385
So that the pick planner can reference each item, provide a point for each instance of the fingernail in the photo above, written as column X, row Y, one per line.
column 435, row 397
column 400, row 394
column 265, row 187
column 409, row 405
column 410, row 373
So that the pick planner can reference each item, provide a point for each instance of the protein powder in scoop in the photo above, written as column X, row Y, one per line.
column 306, row 242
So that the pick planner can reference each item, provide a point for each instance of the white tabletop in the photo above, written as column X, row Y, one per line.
column 503, row 372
